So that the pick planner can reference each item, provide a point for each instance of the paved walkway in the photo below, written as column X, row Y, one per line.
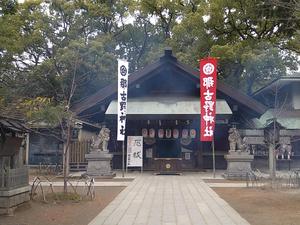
column 168, row 200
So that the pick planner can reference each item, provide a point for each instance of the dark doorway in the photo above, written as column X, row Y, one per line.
column 168, row 148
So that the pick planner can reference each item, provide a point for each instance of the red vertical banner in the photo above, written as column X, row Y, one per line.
column 208, row 87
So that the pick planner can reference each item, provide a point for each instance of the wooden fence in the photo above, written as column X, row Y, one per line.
column 14, row 178
column 77, row 155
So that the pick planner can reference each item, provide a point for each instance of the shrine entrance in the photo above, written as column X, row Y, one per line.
column 170, row 127
column 169, row 158
column 168, row 148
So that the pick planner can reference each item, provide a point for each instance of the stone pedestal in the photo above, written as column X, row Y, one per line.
column 99, row 164
column 238, row 164
column 14, row 189
column 11, row 199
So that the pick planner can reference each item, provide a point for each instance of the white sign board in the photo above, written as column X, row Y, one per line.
column 134, row 151
column 122, row 98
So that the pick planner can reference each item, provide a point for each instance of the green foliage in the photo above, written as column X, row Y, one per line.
column 67, row 50
column 255, row 41
column 190, row 39
column 45, row 45
column 43, row 110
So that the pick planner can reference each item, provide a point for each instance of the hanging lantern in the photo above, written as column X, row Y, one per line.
column 193, row 133
column 185, row 133
column 145, row 132
column 151, row 133
column 168, row 133
column 161, row 133
column 175, row 133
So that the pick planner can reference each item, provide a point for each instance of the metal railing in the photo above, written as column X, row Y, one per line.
column 281, row 181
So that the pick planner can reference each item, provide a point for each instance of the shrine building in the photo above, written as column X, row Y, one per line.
column 163, row 107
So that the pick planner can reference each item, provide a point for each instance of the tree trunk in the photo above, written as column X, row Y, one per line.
column 66, row 156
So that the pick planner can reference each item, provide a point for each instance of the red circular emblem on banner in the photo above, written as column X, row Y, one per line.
column 208, row 68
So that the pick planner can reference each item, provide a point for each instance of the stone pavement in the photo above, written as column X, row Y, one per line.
column 229, row 185
column 168, row 200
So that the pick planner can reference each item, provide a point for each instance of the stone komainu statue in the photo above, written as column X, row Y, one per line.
column 235, row 140
column 100, row 143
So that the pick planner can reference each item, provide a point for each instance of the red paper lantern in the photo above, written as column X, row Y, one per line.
column 185, row 133
column 144, row 132
column 175, row 133
column 168, row 133
column 193, row 133
column 161, row 133
column 152, row 133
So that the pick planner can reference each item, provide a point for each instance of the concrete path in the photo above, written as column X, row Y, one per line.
column 168, row 200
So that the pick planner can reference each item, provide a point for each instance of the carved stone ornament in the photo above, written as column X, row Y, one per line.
column 100, row 143
column 235, row 140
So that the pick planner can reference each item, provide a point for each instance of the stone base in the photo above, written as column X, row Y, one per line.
column 238, row 164
column 99, row 164
column 10, row 199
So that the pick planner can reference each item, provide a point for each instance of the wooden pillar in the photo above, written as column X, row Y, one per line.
column 27, row 149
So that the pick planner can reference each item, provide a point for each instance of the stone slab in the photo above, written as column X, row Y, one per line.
column 15, row 191
column 169, row 199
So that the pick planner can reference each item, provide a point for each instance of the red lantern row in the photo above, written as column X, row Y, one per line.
column 168, row 133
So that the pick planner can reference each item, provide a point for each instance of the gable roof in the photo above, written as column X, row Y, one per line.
column 276, row 84
column 167, row 59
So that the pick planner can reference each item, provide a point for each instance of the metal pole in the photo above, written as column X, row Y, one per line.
column 214, row 158
column 123, row 158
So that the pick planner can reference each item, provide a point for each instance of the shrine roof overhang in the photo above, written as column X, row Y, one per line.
column 12, row 124
column 276, row 85
column 288, row 119
column 167, row 107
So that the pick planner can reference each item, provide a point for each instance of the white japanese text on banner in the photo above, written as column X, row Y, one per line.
column 208, row 87
column 122, row 98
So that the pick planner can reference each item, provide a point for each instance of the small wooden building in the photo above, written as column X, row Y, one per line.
column 14, row 176
column 282, row 97
column 45, row 146
column 164, row 106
